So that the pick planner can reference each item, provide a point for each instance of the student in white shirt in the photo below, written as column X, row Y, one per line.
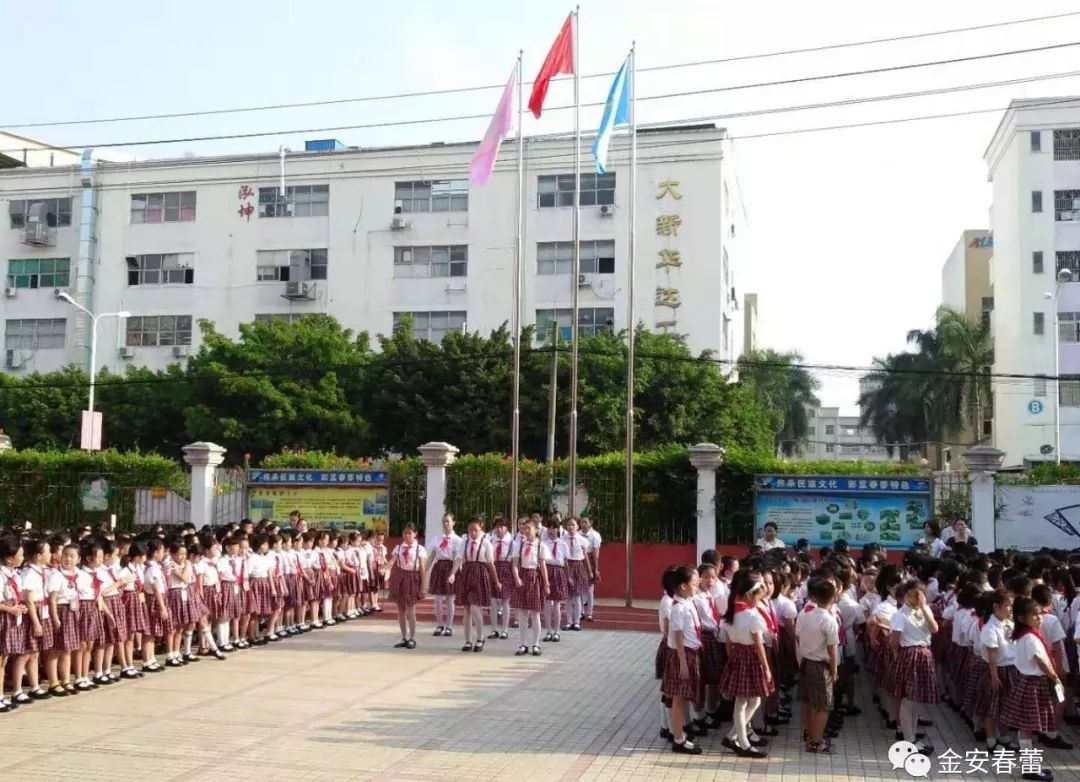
column 473, row 578
column 747, row 677
column 13, row 619
column 1055, row 637
column 996, row 646
column 711, row 615
column 914, row 673
column 529, row 563
column 440, row 562
column 682, row 670
column 595, row 541
column 662, row 651
column 579, row 572
column 407, row 574
column 555, row 550
column 39, row 636
column 501, row 546
column 817, row 639
column 852, row 616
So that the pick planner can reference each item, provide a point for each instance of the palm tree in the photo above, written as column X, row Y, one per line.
column 785, row 390
column 969, row 349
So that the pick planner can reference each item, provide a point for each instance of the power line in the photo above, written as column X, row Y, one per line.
column 484, row 87
column 454, row 118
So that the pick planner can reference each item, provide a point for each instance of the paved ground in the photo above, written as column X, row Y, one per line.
column 342, row 705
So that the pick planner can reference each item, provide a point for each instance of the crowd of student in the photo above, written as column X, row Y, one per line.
column 993, row 636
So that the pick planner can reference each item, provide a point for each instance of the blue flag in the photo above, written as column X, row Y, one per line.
column 616, row 112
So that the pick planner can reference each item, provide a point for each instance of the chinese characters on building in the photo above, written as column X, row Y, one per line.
column 244, row 195
column 670, row 259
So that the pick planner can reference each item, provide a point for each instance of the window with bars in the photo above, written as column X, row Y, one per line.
column 1038, row 386
column 58, row 211
column 35, row 333
column 39, row 272
column 1069, row 391
column 1068, row 259
column 291, row 265
column 432, row 326
column 558, row 190
column 161, row 269
column 1067, row 144
column 158, row 330
column 299, row 201
column 597, row 257
column 1067, row 205
column 283, row 317
column 591, row 321
column 1069, row 326
column 450, row 195
column 435, row 261
column 163, row 207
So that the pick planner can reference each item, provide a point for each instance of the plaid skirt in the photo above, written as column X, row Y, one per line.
column 914, row 676
column 13, row 633
column 440, row 571
column 530, row 595
column 558, row 583
column 161, row 622
column 816, row 685
column 886, row 661
column 673, row 685
column 713, row 658
column 959, row 665
column 91, row 628
column 199, row 609
column 294, row 590
column 230, row 602
column 324, row 585
column 115, row 628
column 182, row 611
column 135, row 614
column 940, row 643
column 66, row 639
column 579, row 575
column 405, row 587
column 472, row 584
column 987, row 702
column 43, row 642
column 505, row 571
column 743, row 676
column 258, row 600
column 278, row 600
column 212, row 598
column 1029, row 705
column 787, row 664
column 351, row 583
column 976, row 687
column 595, row 568
column 662, row 652
column 310, row 586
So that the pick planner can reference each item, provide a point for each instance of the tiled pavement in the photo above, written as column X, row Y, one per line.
column 342, row 705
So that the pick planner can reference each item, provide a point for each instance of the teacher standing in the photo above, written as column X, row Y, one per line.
column 768, row 539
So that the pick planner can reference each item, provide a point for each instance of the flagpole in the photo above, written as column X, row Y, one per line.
column 631, row 323
column 519, row 252
column 575, row 272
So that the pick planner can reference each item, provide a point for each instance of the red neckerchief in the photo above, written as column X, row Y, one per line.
column 741, row 606
column 498, row 551
column 769, row 617
column 527, row 552
column 97, row 583
column 405, row 555
column 1042, row 639
column 809, row 608
column 444, row 542
column 14, row 583
column 138, row 581
column 712, row 610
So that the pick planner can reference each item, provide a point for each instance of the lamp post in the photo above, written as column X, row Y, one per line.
column 1063, row 276
column 65, row 296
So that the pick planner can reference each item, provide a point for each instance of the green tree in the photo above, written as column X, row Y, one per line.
column 968, row 349
column 785, row 391
column 143, row 409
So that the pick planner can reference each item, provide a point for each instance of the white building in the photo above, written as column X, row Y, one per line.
column 1034, row 166
column 368, row 236
column 841, row 438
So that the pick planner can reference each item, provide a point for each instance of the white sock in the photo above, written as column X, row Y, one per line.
column 908, row 720
column 208, row 639
column 450, row 610
column 665, row 717
column 537, row 627
column 223, row 633
column 327, row 609
column 187, row 641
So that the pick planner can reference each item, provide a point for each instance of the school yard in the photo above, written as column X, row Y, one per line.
column 342, row 705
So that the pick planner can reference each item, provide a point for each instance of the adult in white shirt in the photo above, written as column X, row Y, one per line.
column 768, row 540
column 595, row 542
column 932, row 539
column 959, row 530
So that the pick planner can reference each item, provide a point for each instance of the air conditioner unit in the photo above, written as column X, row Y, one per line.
column 583, row 281
column 127, row 352
column 607, row 210
column 456, row 285
column 299, row 290
column 399, row 223
column 36, row 230
column 14, row 359
column 181, row 351
column 11, row 292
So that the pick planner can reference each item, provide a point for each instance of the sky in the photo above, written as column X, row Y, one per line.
column 849, row 228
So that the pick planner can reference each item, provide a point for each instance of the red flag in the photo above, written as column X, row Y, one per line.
column 559, row 60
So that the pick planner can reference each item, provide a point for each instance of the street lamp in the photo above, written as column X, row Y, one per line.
column 65, row 296
column 1063, row 276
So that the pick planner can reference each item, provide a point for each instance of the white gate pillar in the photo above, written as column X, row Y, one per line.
column 706, row 457
column 435, row 457
column 204, row 459
column 983, row 461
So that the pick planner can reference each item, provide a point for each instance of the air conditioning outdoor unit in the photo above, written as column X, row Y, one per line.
column 10, row 292
column 14, row 359
column 299, row 290
column 181, row 351
column 456, row 285
column 583, row 281
column 399, row 223
column 36, row 229
column 127, row 352
column 606, row 210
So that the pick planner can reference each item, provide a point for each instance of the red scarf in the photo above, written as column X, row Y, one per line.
column 14, row 583
column 1042, row 639
column 713, row 611
column 444, row 543
column 741, row 606
column 770, row 618
column 809, row 608
column 498, row 551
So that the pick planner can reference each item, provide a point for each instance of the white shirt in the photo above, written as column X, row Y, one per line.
column 767, row 546
column 684, row 617
column 785, row 610
column 885, row 611
column 32, row 582
column 705, row 604
column 66, row 586
column 961, row 626
column 975, row 636
column 815, row 631
column 745, row 624
column 207, row 573
column 531, row 554
column 155, row 578
column 869, row 603
column 1028, row 648
column 998, row 635
column 851, row 614
column 913, row 627
column 443, row 547
column 133, row 574
column 594, row 540
column 478, row 550
column 409, row 557
column 228, row 571
column 935, row 547
column 665, row 609
column 577, row 546
column 86, row 585
column 556, row 552
column 1054, row 633
column 501, row 547
column 259, row 565
column 10, row 586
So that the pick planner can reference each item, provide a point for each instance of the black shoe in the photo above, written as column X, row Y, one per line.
column 478, row 646
column 219, row 655
column 926, row 723
column 503, row 636
column 855, row 711
column 129, row 673
column 410, row 644
column 521, row 651
column 1057, row 742
column 750, row 752
column 686, row 748
column 700, row 728
column 980, row 735
column 401, row 644
column 665, row 734
column 40, row 694
column 1042, row 776
column 536, row 651
column 22, row 699
column 768, row 730
column 759, row 742
column 438, row 632
column 467, row 647
column 174, row 662
column 448, row 632
column 191, row 658
column 925, row 749
column 493, row 636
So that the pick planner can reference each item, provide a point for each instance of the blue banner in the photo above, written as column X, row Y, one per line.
column 817, row 483
column 317, row 478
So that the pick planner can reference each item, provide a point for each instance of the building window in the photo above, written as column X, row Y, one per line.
column 811, row 431
column 1036, row 200
column 437, row 261
column 591, row 321
column 299, row 201
column 161, row 269
column 163, row 207
column 987, row 309
column 830, row 429
column 432, row 326
column 1039, row 385
column 1068, row 259
column 35, row 333
column 1069, row 326
column 1037, row 262
column 291, row 265
column 829, row 448
column 451, row 195
column 558, row 257
column 558, row 190
column 57, row 211
column 988, row 427
column 1068, row 391
column 1036, row 141
column 1039, row 324
column 39, row 273
column 1067, row 144
column 283, row 317
column 1067, row 205
column 153, row 330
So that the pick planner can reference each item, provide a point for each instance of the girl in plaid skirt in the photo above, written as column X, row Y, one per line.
column 668, row 583
column 962, row 660
column 879, row 629
column 995, row 636
column 747, row 677
column 1055, row 637
column 501, row 545
column 33, row 579
column 134, row 600
column 1029, row 706
column 179, row 578
column 713, row 654
column 161, row 625
column 473, row 578
column 914, row 677
column 682, row 670
column 63, row 593
column 12, row 610
column 207, row 595
column 559, row 585
column 408, row 586
column 440, row 562
column 529, row 562
column 91, row 619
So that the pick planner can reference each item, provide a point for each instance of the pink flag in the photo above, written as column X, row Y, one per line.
column 483, row 161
